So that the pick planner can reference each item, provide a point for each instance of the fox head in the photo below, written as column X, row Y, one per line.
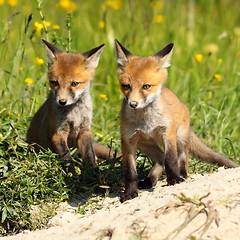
column 70, row 74
column 141, row 78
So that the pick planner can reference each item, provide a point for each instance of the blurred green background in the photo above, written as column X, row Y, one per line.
column 205, row 64
column 204, row 74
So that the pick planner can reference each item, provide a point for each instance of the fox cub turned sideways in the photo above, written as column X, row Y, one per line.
column 64, row 120
column 151, row 115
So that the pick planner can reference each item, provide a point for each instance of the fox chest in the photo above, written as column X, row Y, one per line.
column 149, row 124
column 71, row 123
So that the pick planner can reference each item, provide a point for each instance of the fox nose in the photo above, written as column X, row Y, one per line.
column 62, row 102
column 133, row 104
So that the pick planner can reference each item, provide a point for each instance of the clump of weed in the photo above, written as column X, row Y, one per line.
column 26, row 180
column 196, row 206
column 105, row 234
column 139, row 231
column 31, row 184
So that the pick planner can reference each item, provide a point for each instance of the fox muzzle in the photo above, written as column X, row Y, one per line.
column 62, row 102
column 133, row 104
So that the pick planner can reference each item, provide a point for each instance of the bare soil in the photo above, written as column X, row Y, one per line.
column 204, row 207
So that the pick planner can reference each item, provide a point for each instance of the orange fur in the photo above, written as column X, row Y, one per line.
column 64, row 120
column 151, row 115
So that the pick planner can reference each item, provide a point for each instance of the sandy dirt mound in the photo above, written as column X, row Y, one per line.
column 203, row 207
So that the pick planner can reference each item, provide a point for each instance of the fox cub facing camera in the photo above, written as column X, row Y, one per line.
column 64, row 120
column 151, row 115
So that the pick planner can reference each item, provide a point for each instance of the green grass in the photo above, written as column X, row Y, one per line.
column 209, row 28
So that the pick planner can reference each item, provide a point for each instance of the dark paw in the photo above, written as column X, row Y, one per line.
column 173, row 181
column 145, row 184
column 128, row 196
column 184, row 174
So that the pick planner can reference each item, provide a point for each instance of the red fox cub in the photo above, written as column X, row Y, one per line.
column 151, row 115
column 64, row 120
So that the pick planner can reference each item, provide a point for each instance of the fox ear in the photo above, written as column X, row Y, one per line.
column 122, row 54
column 165, row 55
column 93, row 56
column 52, row 51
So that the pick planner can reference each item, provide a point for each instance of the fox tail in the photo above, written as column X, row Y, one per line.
column 103, row 152
column 204, row 153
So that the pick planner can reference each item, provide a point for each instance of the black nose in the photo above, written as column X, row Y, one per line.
column 62, row 102
column 133, row 104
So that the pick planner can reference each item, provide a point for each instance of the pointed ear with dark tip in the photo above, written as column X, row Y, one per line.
column 122, row 54
column 52, row 51
column 93, row 56
column 164, row 55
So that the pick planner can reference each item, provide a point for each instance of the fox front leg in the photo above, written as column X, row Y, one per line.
column 129, row 169
column 85, row 145
column 154, row 152
column 171, row 158
column 60, row 146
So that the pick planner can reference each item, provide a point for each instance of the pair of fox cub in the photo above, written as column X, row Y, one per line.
column 151, row 115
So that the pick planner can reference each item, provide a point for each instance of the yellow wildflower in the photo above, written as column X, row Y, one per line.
column 68, row 5
column 103, row 96
column 101, row 24
column 159, row 19
column 19, row 115
column 28, row 81
column 12, row 2
column 198, row 57
column 220, row 60
column 64, row 4
column 20, row 68
column 2, row 2
column 114, row 4
column 218, row 77
column 72, row 7
column 39, row 61
column 56, row 27
column 38, row 26
column 46, row 23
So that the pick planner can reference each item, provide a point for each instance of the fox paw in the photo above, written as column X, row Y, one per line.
column 145, row 184
column 173, row 181
column 128, row 196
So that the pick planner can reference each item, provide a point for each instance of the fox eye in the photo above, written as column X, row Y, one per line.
column 146, row 86
column 54, row 83
column 125, row 86
column 74, row 84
